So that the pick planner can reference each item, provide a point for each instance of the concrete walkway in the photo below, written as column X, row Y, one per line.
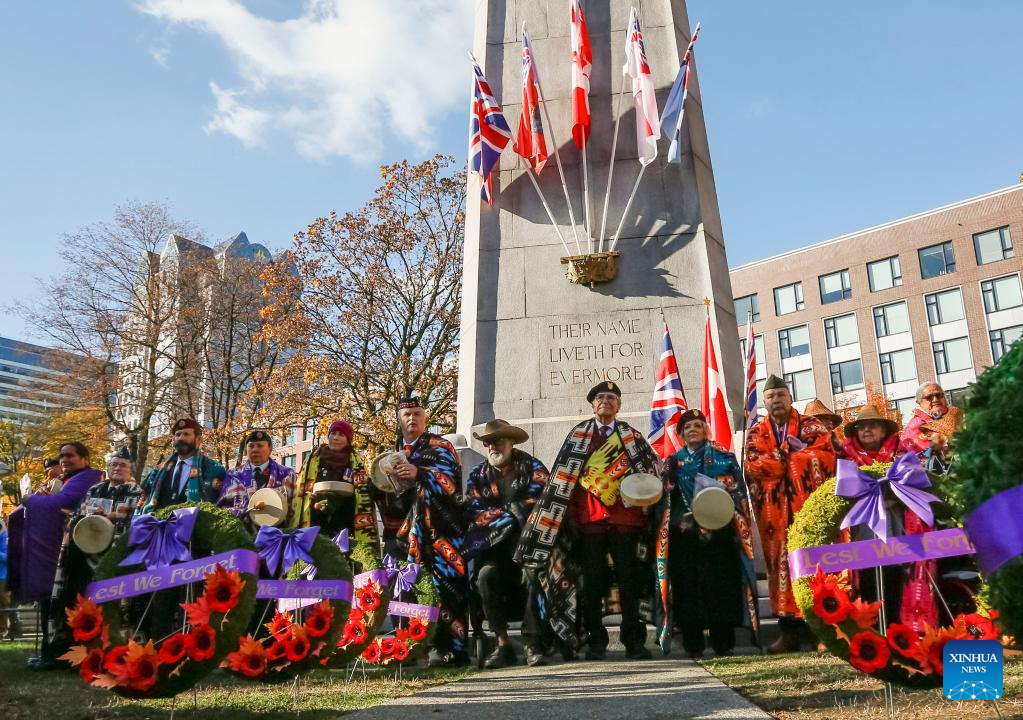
column 615, row 690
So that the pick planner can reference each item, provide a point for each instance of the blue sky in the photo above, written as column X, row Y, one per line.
column 823, row 118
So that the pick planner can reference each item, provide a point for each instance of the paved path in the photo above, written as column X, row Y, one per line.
column 617, row 690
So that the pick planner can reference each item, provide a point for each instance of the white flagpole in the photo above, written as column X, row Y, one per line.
column 561, row 170
column 611, row 166
column 586, row 201
column 632, row 196
column 532, row 179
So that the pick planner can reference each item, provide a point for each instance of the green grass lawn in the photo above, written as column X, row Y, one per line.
column 61, row 695
column 822, row 687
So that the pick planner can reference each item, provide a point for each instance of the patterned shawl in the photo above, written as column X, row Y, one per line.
column 204, row 481
column 498, row 518
column 545, row 545
column 240, row 485
column 889, row 450
column 680, row 472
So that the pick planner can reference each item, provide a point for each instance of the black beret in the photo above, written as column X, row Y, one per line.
column 606, row 386
column 691, row 414
column 412, row 401
column 122, row 454
column 259, row 436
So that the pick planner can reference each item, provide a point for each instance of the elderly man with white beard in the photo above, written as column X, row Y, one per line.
column 500, row 494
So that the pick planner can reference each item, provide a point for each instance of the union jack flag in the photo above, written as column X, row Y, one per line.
column 751, row 376
column 489, row 133
column 668, row 404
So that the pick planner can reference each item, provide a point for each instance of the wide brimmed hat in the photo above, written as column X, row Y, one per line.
column 498, row 428
column 869, row 413
column 815, row 408
column 947, row 424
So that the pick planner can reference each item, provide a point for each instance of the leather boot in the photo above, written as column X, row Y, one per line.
column 787, row 642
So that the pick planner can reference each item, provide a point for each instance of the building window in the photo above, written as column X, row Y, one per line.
column 1002, row 340
column 309, row 429
column 794, row 342
column 937, row 260
column 846, row 376
column 891, row 319
column 801, row 384
column 788, row 299
column 905, row 406
column 1001, row 293
column 952, row 355
column 746, row 306
column 841, row 330
column 288, row 461
column 835, row 287
column 884, row 274
column 898, row 366
column 957, row 396
column 944, row 307
column 993, row 245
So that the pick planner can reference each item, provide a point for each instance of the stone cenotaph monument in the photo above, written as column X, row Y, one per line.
column 535, row 341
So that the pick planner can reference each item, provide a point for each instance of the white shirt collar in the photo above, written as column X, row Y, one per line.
column 262, row 467
column 611, row 426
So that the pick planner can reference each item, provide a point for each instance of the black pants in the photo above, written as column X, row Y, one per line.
column 706, row 587
column 597, row 542
column 504, row 593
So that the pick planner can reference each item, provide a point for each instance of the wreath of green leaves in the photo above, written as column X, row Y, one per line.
column 331, row 564
column 365, row 556
column 989, row 461
column 216, row 531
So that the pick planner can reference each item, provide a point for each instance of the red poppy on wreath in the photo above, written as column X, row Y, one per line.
column 249, row 659
column 372, row 654
column 401, row 635
column 280, row 626
column 298, row 646
column 356, row 615
column 904, row 640
column 202, row 642
column 401, row 653
column 114, row 662
column 932, row 645
column 868, row 652
column 222, row 588
column 92, row 665
column 980, row 627
column 387, row 646
column 417, row 630
column 85, row 619
column 143, row 665
column 174, row 648
column 830, row 602
column 864, row 614
column 354, row 633
column 369, row 596
column 276, row 651
column 319, row 620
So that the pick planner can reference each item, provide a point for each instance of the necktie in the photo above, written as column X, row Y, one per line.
column 257, row 478
column 181, row 478
column 605, row 433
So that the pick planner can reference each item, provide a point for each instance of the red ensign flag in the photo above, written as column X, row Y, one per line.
column 712, row 396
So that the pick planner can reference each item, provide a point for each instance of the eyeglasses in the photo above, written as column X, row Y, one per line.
column 606, row 396
column 933, row 397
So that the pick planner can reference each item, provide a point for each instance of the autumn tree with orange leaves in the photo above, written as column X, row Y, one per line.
column 369, row 304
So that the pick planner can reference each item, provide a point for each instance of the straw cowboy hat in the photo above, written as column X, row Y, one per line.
column 869, row 413
column 498, row 428
column 815, row 408
column 946, row 424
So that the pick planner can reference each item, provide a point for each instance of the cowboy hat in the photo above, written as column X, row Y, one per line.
column 869, row 413
column 501, row 429
column 815, row 408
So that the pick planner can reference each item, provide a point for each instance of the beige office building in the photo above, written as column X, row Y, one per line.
column 933, row 296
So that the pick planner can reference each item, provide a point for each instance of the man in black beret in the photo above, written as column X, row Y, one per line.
column 257, row 472
column 583, row 492
column 188, row 476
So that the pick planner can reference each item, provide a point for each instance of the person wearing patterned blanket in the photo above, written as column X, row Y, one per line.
column 434, row 530
column 259, row 471
column 709, row 581
column 580, row 519
column 501, row 492
column 788, row 456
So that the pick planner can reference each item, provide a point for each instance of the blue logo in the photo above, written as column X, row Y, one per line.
column 972, row 670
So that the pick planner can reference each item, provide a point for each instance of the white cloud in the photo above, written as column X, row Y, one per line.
column 160, row 52
column 339, row 77
column 245, row 123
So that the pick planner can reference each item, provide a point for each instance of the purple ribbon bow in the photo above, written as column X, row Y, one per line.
column 341, row 540
column 406, row 575
column 275, row 545
column 906, row 478
column 158, row 543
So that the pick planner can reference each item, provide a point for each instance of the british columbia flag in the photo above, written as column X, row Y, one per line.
column 668, row 404
column 751, row 376
column 489, row 133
